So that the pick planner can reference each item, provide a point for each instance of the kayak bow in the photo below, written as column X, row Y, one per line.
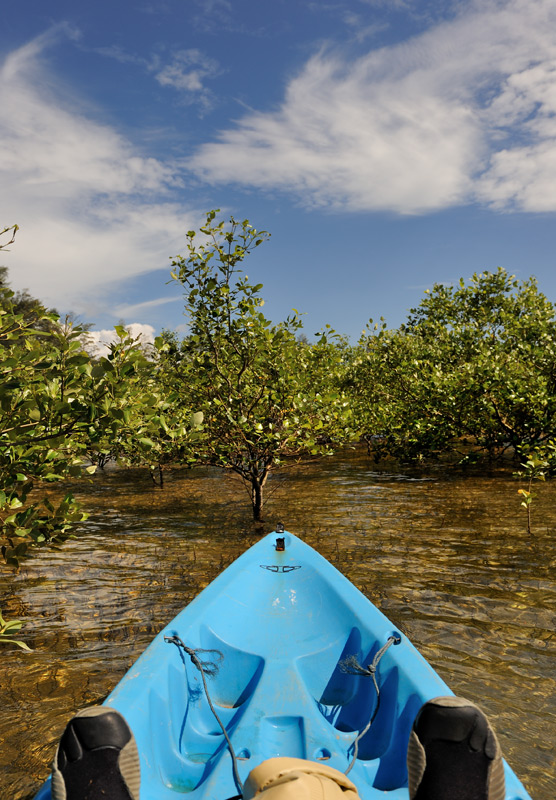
column 292, row 640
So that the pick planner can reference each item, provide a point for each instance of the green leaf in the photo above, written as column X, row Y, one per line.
column 17, row 642
column 12, row 626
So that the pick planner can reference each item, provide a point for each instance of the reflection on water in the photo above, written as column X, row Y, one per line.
column 447, row 559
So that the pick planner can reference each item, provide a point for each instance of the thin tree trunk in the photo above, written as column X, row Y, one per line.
column 157, row 481
column 258, row 481
column 257, row 498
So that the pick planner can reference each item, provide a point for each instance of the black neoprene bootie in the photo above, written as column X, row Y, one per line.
column 453, row 753
column 96, row 759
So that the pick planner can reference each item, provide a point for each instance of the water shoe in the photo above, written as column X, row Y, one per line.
column 96, row 758
column 453, row 753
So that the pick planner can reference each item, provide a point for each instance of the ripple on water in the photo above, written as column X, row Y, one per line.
column 447, row 559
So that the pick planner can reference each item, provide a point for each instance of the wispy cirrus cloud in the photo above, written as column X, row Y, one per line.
column 185, row 70
column 188, row 71
column 133, row 309
column 464, row 112
column 93, row 210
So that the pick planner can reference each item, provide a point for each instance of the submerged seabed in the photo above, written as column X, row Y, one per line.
column 446, row 557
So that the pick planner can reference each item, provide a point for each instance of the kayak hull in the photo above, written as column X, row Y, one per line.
column 281, row 622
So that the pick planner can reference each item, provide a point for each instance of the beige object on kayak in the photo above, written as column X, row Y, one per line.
column 297, row 779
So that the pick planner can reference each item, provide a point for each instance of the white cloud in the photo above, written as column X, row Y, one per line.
column 465, row 111
column 97, row 343
column 138, row 308
column 187, row 71
column 523, row 174
column 92, row 210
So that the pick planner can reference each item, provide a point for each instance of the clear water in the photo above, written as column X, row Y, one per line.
column 447, row 558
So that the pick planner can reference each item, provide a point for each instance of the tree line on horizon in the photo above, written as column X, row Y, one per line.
column 471, row 374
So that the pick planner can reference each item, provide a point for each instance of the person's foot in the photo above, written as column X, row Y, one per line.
column 96, row 758
column 453, row 753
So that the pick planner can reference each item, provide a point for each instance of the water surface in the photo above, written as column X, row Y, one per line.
column 447, row 557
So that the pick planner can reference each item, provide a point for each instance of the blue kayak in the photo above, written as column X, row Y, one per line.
column 284, row 640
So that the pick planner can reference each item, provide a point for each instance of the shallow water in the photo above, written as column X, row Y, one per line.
column 446, row 557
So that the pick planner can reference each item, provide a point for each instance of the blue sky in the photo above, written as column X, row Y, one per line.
column 385, row 144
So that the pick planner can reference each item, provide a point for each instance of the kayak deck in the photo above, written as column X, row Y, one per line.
column 281, row 623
